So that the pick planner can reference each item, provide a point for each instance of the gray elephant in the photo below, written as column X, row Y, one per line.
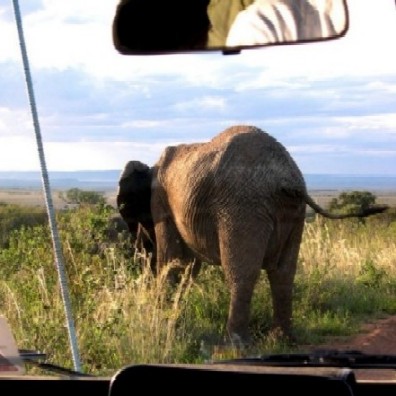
column 238, row 200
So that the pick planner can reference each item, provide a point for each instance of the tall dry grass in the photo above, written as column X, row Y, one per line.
column 125, row 315
column 343, row 247
column 346, row 275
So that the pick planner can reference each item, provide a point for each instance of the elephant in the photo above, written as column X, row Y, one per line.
column 238, row 201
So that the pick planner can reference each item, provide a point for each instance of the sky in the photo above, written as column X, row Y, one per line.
column 332, row 104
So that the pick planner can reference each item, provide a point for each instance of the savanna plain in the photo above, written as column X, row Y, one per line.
column 123, row 315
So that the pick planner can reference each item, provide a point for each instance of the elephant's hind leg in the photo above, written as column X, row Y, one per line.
column 281, row 279
column 241, row 258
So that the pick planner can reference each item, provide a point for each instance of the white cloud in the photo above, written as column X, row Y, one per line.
column 379, row 153
column 379, row 86
column 143, row 124
column 336, row 127
column 344, row 129
column 15, row 123
column 316, row 149
column 76, row 34
column 19, row 154
column 207, row 102
column 382, row 123
column 324, row 149
column 99, row 155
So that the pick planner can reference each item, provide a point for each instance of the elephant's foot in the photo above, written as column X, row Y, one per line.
column 218, row 348
column 231, row 348
column 282, row 335
column 239, row 342
column 239, row 339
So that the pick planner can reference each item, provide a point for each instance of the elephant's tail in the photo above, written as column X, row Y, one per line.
column 371, row 210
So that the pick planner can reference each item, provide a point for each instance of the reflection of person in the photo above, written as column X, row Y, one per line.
column 158, row 25
column 272, row 21
column 221, row 14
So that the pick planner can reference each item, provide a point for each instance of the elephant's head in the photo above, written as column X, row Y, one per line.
column 134, row 202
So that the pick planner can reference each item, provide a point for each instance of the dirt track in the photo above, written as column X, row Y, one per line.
column 375, row 338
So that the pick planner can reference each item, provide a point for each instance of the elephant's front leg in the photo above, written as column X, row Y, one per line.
column 170, row 250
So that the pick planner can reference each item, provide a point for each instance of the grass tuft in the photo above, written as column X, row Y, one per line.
column 125, row 315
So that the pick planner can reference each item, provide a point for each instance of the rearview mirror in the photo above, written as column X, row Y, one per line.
column 144, row 27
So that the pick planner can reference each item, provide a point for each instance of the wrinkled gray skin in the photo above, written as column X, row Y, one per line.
column 238, row 200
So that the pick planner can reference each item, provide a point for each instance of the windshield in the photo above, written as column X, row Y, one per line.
column 142, row 281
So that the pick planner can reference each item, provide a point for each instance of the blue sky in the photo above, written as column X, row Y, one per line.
column 333, row 105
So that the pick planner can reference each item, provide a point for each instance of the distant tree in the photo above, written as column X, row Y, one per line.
column 352, row 201
column 78, row 196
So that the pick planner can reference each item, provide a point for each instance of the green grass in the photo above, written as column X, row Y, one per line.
column 124, row 315
column 13, row 217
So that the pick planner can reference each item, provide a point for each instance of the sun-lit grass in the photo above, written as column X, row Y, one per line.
column 125, row 315
column 346, row 270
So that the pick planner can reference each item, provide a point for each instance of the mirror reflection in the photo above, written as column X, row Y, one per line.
column 158, row 26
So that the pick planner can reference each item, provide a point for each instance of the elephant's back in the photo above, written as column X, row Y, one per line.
column 238, row 156
column 249, row 143
column 256, row 156
column 224, row 137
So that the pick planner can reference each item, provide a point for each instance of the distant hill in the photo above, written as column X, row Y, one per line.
column 339, row 182
column 87, row 180
column 107, row 180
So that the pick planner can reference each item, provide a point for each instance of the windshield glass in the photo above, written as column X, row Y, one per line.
column 139, row 230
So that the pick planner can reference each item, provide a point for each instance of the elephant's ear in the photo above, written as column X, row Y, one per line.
column 134, row 194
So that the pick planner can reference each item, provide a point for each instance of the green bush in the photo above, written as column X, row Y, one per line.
column 14, row 217
column 82, row 197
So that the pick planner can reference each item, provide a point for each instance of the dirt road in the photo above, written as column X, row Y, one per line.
column 375, row 338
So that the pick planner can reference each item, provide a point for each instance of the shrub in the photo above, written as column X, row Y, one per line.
column 13, row 217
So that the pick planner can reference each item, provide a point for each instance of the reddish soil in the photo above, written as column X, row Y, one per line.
column 375, row 338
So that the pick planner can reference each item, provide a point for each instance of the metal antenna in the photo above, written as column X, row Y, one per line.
column 47, row 193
